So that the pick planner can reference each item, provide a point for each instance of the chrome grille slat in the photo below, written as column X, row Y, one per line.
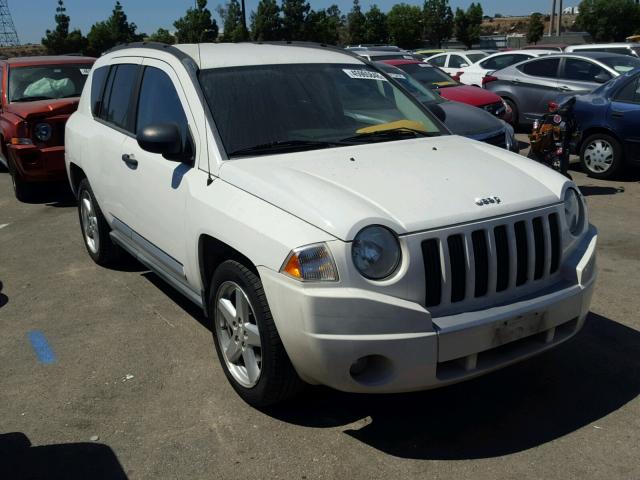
column 463, row 265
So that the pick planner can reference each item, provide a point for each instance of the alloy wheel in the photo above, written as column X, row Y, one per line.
column 89, row 221
column 238, row 335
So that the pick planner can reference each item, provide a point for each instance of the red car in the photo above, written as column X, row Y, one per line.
column 435, row 79
column 38, row 94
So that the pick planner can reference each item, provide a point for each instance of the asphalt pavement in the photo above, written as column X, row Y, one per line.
column 111, row 374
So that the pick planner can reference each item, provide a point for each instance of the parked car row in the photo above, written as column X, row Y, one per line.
column 325, row 220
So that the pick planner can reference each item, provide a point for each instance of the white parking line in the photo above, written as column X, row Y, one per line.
column 3, row 225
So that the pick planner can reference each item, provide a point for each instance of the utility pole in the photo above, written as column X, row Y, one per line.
column 244, row 22
column 8, row 34
column 553, row 14
column 559, row 18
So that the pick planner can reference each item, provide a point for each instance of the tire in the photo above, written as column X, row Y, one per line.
column 515, row 119
column 22, row 190
column 601, row 156
column 272, row 379
column 95, row 229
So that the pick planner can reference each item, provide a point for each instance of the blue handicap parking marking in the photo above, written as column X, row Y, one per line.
column 43, row 350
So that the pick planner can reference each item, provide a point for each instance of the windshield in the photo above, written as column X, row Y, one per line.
column 46, row 82
column 261, row 109
column 621, row 63
column 476, row 57
column 414, row 87
column 428, row 76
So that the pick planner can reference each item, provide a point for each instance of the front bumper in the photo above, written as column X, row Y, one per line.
column 38, row 164
column 326, row 330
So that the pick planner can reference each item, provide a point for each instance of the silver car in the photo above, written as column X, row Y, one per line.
column 529, row 86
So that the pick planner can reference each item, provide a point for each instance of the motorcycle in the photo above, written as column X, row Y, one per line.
column 554, row 136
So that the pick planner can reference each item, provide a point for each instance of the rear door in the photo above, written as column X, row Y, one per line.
column 113, row 115
column 535, row 84
column 578, row 75
column 455, row 63
column 624, row 117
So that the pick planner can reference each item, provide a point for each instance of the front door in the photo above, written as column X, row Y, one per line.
column 624, row 117
column 156, row 188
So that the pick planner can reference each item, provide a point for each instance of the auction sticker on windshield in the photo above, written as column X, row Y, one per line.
column 364, row 74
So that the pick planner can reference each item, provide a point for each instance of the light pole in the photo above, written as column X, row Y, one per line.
column 553, row 13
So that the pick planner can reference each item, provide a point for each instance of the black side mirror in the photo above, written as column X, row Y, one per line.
column 602, row 78
column 437, row 111
column 165, row 139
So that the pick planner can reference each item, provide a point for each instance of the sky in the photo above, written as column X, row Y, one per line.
column 33, row 17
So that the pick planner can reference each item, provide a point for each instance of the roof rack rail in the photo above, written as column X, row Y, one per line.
column 164, row 47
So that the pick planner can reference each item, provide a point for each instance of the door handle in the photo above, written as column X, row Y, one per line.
column 617, row 114
column 130, row 160
column 564, row 88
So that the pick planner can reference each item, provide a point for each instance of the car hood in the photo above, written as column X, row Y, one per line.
column 408, row 185
column 467, row 94
column 25, row 110
column 466, row 120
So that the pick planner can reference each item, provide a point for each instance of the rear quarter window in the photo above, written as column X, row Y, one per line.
column 97, row 88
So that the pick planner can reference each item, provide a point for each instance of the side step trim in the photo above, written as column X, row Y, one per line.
column 154, row 265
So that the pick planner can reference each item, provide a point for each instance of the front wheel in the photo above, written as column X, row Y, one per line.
column 22, row 190
column 95, row 229
column 247, row 341
column 601, row 156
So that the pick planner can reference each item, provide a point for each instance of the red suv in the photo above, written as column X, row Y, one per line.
column 38, row 94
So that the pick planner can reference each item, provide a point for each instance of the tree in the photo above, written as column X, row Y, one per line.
column 467, row 24
column 294, row 15
column 163, row 36
column 114, row 31
column 233, row 26
column 535, row 29
column 609, row 20
column 60, row 40
column 405, row 25
column 265, row 21
column 197, row 26
column 438, row 21
column 324, row 25
column 355, row 24
column 375, row 26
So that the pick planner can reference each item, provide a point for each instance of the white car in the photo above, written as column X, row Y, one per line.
column 623, row 48
column 474, row 74
column 453, row 62
column 328, row 240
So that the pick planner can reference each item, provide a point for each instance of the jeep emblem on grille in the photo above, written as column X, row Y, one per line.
column 488, row 200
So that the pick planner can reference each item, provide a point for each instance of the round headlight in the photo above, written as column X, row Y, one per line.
column 42, row 131
column 573, row 211
column 376, row 252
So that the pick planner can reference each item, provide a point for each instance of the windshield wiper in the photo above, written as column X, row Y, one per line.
column 389, row 134
column 285, row 146
column 32, row 99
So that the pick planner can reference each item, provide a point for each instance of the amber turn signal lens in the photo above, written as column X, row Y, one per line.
column 293, row 267
column 312, row 263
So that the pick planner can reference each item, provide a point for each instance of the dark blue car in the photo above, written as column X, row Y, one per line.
column 609, row 120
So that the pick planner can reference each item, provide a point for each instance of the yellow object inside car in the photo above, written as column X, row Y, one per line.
column 399, row 124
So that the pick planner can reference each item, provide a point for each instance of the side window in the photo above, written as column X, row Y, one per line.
column 438, row 61
column 117, row 100
column 547, row 67
column 630, row 93
column 97, row 88
column 455, row 61
column 581, row 70
column 159, row 102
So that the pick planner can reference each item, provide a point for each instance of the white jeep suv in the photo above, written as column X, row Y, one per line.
column 330, row 227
